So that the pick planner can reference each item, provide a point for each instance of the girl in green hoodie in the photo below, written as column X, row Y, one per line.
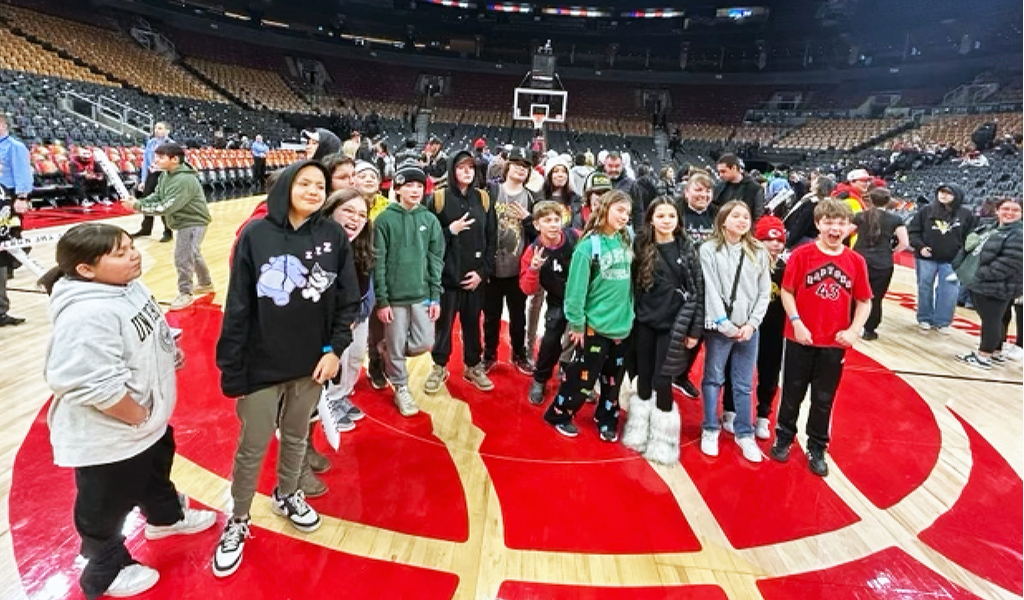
column 599, row 309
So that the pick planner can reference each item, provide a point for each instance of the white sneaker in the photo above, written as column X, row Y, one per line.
column 228, row 555
column 182, row 301
column 132, row 580
column 727, row 421
column 944, row 330
column 761, row 430
column 1013, row 352
column 405, row 402
column 709, row 442
column 194, row 521
column 750, row 450
column 923, row 326
column 293, row 507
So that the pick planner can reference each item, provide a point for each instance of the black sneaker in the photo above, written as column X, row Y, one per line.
column 9, row 321
column 167, row 236
column 779, row 451
column 608, row 433
column 816, row 462
column 375, row 371
column 682, row 383
column 524, row 365
column 536, row 394
column 567, row 429
column 869, row 336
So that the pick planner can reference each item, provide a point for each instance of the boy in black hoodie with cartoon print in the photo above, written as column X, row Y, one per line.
column 467, row 219
column 292, row 298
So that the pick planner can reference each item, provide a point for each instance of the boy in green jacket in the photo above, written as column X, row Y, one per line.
column 179, row 198
column 407, row 280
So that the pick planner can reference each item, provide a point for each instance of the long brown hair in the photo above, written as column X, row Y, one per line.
column 83, row 244
column 872, row 228
column 749, row 243
column 599, row 217
column 363, row 253
column 646, row 246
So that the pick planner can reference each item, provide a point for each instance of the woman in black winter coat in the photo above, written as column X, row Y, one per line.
column 998, row 281
column 669, row 303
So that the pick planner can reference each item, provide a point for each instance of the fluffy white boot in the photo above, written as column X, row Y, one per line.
column 638, row 424
column 663, row 445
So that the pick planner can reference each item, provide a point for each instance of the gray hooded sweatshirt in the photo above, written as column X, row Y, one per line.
column 107, row 341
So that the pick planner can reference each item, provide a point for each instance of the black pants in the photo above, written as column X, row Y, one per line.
column 107, row 493
column 821, row 369
column 259, row 170
column 769, row 367
column 992, row 311
column 651, row 348
column 879, row 281
column 498, row 292
column 148, row 187
column 598, row 358
column 374, row 336
column 691, row 359
column 551, row 344
column 467, row 305
column 1017, row 309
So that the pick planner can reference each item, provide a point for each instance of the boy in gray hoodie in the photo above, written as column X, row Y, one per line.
column 111, row 365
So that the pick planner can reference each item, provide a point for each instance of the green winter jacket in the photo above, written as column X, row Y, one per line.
column 178, row 198
column 410, row 254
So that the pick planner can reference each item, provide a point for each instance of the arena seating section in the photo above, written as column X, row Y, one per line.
column 221, row 83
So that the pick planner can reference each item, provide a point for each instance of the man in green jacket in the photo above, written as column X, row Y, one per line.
column 179, row 198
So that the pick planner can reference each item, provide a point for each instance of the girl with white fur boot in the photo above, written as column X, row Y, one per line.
column 669, row 293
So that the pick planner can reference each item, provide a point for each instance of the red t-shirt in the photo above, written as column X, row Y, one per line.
column 825, row 287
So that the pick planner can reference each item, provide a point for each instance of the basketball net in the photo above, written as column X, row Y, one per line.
column 538, row 121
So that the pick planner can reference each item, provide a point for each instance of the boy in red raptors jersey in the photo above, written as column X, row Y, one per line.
column 822, row 280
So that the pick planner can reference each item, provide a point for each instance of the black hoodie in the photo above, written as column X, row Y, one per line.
column 328, row 144
column 942, row 229
column 292, row 296
column 473, row 249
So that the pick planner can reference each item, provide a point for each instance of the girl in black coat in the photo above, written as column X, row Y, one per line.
column 669, row 289
column 997, row 281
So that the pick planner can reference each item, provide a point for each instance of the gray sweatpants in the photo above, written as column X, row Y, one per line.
column 258, row 413
column 410, row 333
column 188, row 258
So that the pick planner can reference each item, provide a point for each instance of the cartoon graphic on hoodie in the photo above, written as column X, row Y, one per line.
column 292, row 292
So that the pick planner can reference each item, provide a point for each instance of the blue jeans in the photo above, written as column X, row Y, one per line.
column 717, row 351
column 936, row 300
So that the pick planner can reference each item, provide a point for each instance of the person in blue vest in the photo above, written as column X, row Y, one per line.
column 148, row 176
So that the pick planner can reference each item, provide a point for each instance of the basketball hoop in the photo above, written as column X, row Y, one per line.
column 538, row 121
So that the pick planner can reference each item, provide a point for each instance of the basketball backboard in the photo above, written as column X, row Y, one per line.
column 531, row 102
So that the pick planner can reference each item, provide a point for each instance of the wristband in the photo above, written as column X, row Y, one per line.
column 794, row 318
column 722, row 320
column 327, row 349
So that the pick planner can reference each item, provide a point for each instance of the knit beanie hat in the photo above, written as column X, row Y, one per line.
column 597, row 182
column 770, row 227
column 362, row 165
column 407, row 173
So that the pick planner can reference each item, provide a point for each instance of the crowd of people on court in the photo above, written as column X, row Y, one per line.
column 631, row 283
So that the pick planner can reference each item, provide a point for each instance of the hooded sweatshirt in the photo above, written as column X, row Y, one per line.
column 178, row 198
column 410, row 256
column 108, row 341
column 292, row 296
column 473, row 248
column 328, row 144
column 941, row 229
